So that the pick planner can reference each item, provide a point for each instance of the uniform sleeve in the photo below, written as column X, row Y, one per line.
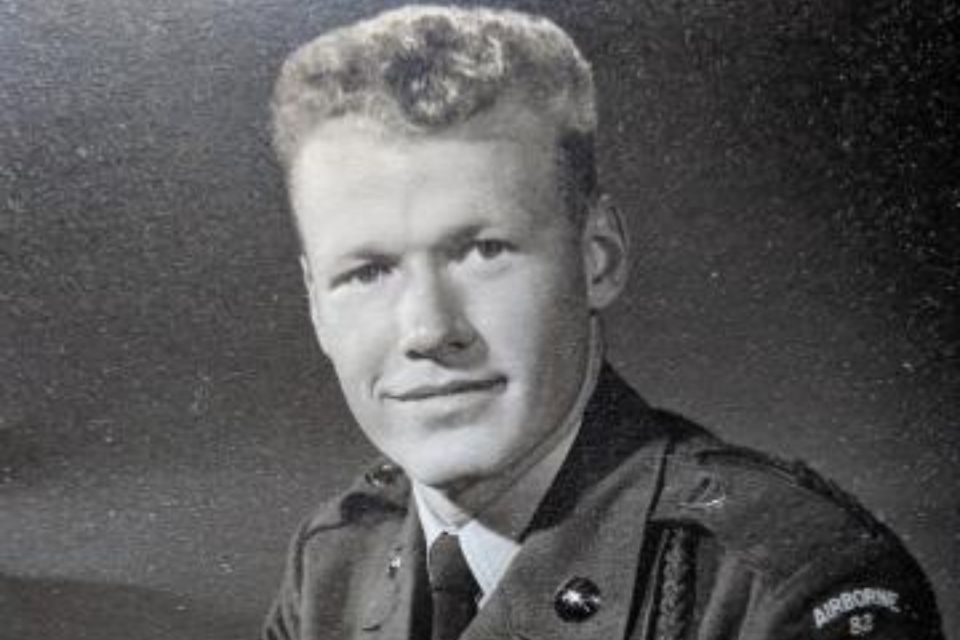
column 283, row 619
column 793, row 557
column 878, row 593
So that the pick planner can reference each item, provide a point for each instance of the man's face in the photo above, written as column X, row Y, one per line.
column 448, row 287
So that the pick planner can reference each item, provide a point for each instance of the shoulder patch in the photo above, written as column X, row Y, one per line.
column 872, row 607
column 856, row 607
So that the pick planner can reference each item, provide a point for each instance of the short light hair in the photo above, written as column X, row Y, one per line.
column 421, row 69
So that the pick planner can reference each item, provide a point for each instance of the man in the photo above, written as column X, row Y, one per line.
column 457, row 252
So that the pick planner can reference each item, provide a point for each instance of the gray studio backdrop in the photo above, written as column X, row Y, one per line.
column 786, row 168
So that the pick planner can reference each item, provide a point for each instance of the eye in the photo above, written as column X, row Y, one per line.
column 365, row 274
column 489, row 249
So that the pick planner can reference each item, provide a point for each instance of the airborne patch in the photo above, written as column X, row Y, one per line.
column 856, row 600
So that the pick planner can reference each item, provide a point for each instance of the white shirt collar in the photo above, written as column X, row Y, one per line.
column 491, row 539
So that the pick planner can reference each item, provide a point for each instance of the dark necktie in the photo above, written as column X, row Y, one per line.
column 453, row 588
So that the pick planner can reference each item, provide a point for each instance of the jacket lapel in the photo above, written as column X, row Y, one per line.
column 397, row 576
column 591, row 525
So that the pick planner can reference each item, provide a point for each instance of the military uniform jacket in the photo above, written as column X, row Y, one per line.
column 653, row 529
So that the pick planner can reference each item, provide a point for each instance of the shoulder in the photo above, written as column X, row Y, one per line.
column 379, row 495
column 815, row 556
column 775, row 513
column 332, row 547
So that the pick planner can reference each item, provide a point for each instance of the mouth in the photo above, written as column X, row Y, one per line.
column 449, row 389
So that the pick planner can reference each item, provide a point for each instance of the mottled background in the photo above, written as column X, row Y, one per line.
column 789, row 173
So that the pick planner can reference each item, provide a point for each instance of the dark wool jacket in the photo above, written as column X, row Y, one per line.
column 652, row 529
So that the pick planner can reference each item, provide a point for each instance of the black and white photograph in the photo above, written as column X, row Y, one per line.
column 371, row 319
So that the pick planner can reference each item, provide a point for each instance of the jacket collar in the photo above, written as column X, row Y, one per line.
column 590, row 525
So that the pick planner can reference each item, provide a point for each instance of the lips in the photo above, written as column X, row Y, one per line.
column 448, row 389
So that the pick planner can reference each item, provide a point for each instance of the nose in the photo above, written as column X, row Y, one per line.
column 432, row 321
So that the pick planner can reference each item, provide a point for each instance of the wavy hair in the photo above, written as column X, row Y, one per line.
column 422, row 69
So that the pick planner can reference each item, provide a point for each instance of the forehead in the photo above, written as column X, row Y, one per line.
column 349, row 176
column 358, row 146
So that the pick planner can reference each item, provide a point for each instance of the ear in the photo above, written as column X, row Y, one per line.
column 605, row 251
column 309, row 283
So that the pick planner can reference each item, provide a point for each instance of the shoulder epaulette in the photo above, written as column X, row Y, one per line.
column 380, row 493
column 775, row 514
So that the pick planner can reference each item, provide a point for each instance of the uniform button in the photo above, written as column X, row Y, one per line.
column 577, row 600
column 393, row 567
column 382, row 475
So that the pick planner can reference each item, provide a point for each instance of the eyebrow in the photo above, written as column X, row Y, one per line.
column 374, row 252
column 458, row 236
column 363, row 253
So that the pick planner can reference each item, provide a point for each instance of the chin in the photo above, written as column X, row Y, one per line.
column 449, row 469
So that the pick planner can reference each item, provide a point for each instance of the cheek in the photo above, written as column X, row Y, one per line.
column 357, row 341
column 534, row 311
